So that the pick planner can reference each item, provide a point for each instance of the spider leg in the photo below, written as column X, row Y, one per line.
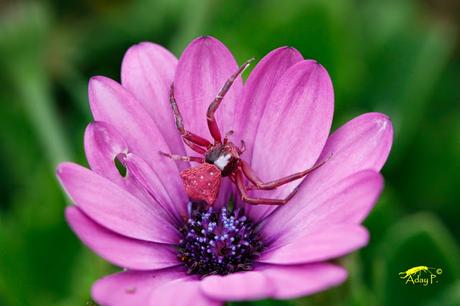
column 227, row 135
column 259, row 184
column 187, row 136
column 254, row 200
column 212, row 124
column 183, row 158
column 242, row 147
column 194, row 146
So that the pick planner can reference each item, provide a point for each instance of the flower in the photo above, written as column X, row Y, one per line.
column 175, row 252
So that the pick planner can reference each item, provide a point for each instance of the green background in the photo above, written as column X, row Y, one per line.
column 397, row 57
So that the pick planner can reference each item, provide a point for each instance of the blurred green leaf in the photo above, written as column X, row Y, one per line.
column 87, row 269
column 360, row 291
column 406, row 56
column 38, row 249
column 419, row 240
column 195, row 15
column 22, row 43
column 449, row 297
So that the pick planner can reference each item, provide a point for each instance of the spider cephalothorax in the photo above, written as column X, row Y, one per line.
column 225, row 156
column 222, row 158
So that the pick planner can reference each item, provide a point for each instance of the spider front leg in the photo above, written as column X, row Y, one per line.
column 212, row 124
column 227, row 135
column 238, row 178
column 259, row 184
column 183, row 158
column 242, row 147
column 194, row 141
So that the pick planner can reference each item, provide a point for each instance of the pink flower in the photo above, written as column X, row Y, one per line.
column 144, row 222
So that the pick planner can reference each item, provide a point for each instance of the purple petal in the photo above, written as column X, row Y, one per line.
column 183, row 292
column 114, row 208
column 151, row 181
column 147, row 72
column 225, row 192
column 131, row 288
column 362, row 143
column 347, row 201
column 299, row 280
column 257, row 91
column 111, row 103
column 326, row 243
column 293, row 128
column 102, row 144
column 252, row 285
column 119, row 250
column 204, row 67
column 273, row 281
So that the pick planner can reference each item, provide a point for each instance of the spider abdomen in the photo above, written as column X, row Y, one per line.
column 202, row 183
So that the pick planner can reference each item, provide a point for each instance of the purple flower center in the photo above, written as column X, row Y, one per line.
column 218, row 241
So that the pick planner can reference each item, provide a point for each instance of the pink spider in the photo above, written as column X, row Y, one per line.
column 222, row 158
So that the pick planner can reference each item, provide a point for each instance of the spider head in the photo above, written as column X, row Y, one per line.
column 223, row 156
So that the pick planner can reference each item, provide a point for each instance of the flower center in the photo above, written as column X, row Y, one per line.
column 218, row 241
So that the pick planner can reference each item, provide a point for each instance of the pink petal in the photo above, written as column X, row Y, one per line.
column 362, row 143
column 119, row 250
column 151, row 181
column 113, row 207
column 347, row 201
column 325, row 243
column 226, row 190
column 257, row 91
column 147, row 72
column 204, row 67
column 300, row 280
column 111, row 103
column 293, row 128
column 274, row 281
column 252, row 285
column 131, row 288
column 183, row 292
column 102, row 144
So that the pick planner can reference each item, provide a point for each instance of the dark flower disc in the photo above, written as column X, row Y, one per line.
column 218, row 241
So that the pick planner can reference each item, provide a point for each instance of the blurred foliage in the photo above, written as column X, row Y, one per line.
column 397, row 57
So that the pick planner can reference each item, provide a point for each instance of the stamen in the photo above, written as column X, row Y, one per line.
column 218, row 241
